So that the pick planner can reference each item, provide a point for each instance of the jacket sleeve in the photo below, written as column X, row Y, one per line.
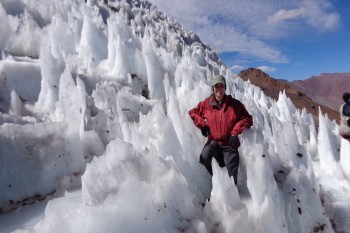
column 197, row 114
column 344, row 126
column 245, row 120
column 346, row 110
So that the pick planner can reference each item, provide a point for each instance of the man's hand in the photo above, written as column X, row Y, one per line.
column 234, row 141
column 205, row 131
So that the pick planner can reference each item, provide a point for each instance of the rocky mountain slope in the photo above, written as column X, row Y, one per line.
column 300, row 97
column 326, row 88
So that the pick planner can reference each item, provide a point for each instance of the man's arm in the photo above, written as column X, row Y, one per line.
column 245, row 119
column 197, row 115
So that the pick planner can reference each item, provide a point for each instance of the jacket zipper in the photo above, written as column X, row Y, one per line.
column 221, row 115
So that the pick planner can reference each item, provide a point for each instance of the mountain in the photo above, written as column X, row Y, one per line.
column 326, row 88
column 301, row 98
column 95, row 134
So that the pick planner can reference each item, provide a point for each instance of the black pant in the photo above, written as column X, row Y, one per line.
column 224, row 155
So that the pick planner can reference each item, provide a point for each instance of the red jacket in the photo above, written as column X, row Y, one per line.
column 231, row 118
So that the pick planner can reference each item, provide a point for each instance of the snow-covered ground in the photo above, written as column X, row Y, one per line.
column 95, row 134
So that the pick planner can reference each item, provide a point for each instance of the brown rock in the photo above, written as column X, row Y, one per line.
column 272, row 87
column 327, row 88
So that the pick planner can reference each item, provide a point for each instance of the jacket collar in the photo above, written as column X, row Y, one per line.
column 215, row 103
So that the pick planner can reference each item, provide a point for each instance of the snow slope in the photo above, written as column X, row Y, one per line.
column 93, row 110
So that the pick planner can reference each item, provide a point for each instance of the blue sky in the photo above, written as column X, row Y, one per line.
column 288, row 39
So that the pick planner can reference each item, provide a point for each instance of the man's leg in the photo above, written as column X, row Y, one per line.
column 210, row 150
column 231, row 159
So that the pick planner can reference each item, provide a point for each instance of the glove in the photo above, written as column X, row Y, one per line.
column 205, row 131
column 234, row 141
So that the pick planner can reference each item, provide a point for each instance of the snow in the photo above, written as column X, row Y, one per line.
column 95, row 134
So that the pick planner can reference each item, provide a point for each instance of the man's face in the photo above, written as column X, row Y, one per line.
column 219, row 91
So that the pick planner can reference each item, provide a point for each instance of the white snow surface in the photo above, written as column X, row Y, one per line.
column 95, row 134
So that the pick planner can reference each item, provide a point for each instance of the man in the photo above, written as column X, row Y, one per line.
column 344, row 128
column 221, row 118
